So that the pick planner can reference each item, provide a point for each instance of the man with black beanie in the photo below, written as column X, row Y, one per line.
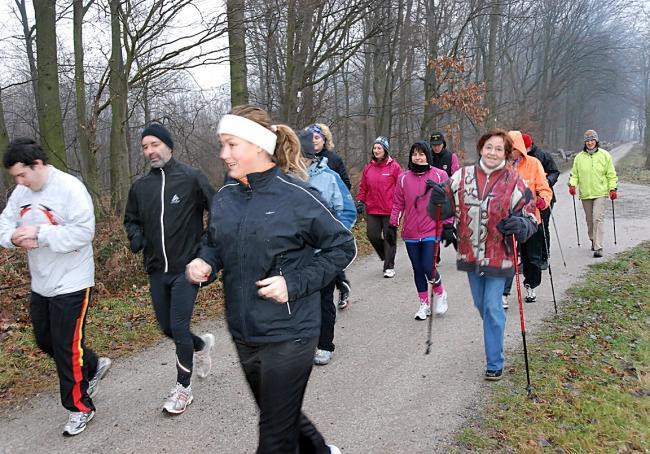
column 164, row 219
column 443, row 158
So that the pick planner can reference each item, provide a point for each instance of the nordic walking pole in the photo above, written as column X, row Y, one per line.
column 575, row 214
column 550, row 271
column 557, row 236
column 436, row 248
column 614, row 220
column 529, row 388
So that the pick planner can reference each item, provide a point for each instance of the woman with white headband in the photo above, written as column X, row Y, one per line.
column 277, row 246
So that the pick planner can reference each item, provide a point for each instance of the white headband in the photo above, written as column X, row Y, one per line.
column 248, row 130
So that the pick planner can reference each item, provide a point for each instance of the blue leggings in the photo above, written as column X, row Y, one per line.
column 421, row 255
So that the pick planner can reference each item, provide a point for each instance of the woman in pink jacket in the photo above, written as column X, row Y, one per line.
column 376, row 199
column 419, row 230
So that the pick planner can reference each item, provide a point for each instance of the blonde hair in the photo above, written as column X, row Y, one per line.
column 287, row 149
column 329, row 144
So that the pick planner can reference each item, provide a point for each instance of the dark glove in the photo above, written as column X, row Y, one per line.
column 512, row 225
column 137, row 243
column 391, row 235
column 361, row 207
column 449, row 235
column 613, row 195
column 438, row 194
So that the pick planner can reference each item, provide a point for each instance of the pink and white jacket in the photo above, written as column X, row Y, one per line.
column 410, row 204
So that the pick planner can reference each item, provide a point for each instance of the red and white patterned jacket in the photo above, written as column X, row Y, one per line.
column 480, row 201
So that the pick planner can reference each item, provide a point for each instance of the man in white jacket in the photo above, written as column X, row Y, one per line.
column 50, row 215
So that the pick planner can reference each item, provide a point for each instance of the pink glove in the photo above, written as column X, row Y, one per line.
column 540, row 203
column 572, row 190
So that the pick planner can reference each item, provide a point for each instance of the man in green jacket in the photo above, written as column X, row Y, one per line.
column 593, row 171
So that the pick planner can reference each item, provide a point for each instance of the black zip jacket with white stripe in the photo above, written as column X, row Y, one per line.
column 164, row 215
column 274, row 225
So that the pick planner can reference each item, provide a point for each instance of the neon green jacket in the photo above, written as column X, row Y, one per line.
column 593, row 174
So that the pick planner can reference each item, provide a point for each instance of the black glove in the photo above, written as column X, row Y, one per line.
column 137, row 243
column 438, row 193
column 449, row 235
column 391, row 235
column 512, row 225
column 361, row 207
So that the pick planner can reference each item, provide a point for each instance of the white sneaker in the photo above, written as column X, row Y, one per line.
column 423, row 312
column 334, row 449
column 530, row 294
column 77, row 422
column 389, row 272
column 440, row 303
column 202, row 360
column 322, row 357
column 178, row 400
column 504, row 302
column 103, row 364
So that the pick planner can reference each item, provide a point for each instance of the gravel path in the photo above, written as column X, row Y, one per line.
column 380, row 394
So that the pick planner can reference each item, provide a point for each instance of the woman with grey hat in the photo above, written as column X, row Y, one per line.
column 594, row 173
column 375, row 198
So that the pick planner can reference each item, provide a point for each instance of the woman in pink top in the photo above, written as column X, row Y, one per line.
column 376, row 199
column 419, row 230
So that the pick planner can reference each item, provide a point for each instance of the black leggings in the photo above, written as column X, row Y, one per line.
column 173, row 300
column 277, row 375
column 376, row 228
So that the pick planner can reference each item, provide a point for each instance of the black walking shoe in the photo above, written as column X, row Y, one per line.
column 344, row 294
column 598, row 253
column 494, row 375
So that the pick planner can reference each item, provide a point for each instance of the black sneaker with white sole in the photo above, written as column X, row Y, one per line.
column 494, row 375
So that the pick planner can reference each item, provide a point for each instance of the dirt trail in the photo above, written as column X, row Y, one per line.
column 380, row 394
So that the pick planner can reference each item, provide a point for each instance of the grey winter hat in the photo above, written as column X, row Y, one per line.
column 306, row 143
column 384, row 142
column 590, row 134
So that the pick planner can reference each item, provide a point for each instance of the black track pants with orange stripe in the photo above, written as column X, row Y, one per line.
column 59, row 328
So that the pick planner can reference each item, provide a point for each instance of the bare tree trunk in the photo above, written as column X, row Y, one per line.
column 490, row 75
column 118, row 88
column 431, row 111
column 87, row 151
column 365, row 98
column 646, row 135
column 237, row 49
column 4, row 142
column 28, row 33
column 49, row 105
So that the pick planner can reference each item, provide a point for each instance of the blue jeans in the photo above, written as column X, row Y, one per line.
column 486, row 291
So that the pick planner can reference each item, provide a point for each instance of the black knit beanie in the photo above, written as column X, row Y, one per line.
column 158, row 130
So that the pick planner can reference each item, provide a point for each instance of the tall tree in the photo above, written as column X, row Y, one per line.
column 491, row 64
column 85, row 137
column 49, row 105
column 118, row 88
column 237, row 49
